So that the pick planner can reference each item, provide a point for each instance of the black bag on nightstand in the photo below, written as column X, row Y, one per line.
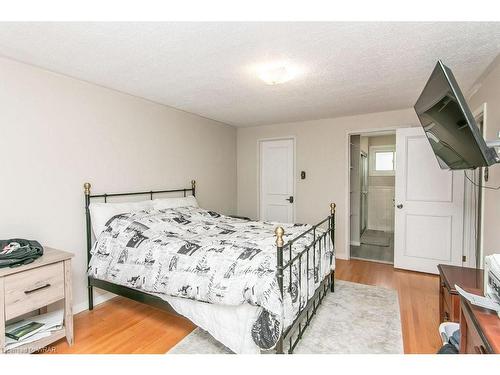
column 17, row 251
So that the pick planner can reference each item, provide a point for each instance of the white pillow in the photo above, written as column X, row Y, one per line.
column 100, row 213
column 162, row 203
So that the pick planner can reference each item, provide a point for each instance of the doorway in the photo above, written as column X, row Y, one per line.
column 423, row 217
column 277, row 180
column 372, row 181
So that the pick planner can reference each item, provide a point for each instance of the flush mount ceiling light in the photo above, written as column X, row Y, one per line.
column 277, row 72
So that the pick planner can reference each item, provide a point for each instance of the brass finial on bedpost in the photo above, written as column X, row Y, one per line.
column 193, row 184
column 332, row 208
column 86, row 188
column 279, row 231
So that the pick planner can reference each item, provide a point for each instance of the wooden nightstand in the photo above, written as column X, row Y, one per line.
column 34, row 286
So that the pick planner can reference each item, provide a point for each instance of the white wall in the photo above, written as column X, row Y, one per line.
column 381, row 191
column 321, row 151
column 381, row 208
column 489, row 92
column 363, row 144
column 57, row 132
column 381, row 140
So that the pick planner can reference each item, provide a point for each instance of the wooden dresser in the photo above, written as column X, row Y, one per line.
column 449, row 300
column 479, row 329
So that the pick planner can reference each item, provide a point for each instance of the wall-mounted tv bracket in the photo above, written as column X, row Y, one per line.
column 496, row 146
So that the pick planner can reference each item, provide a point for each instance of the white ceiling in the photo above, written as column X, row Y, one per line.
column 207, row 68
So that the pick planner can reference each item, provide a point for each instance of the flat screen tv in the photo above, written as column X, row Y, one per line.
column 449, row 124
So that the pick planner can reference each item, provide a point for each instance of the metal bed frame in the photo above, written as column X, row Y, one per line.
column 306, row 313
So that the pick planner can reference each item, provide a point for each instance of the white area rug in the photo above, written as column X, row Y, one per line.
column 355, row 319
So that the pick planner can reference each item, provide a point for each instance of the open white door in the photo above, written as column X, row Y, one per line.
column 277, row 180
column 429, row 207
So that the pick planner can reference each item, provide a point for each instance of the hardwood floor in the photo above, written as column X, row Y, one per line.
column 125, row 326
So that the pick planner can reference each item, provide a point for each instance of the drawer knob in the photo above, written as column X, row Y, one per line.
column 37, row 289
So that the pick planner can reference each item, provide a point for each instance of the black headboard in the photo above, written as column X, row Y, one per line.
column 151, row 193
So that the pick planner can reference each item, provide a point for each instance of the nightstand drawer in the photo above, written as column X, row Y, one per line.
column 29, row 290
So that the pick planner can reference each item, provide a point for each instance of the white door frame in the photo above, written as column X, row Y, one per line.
column 362, row 132
column 259, row 170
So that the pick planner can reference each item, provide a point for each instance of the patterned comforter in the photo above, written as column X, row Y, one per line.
column 201, row 255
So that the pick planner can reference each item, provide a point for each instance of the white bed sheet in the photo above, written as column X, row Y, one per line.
column 230, row 325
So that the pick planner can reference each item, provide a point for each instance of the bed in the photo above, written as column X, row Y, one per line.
column 253, row 286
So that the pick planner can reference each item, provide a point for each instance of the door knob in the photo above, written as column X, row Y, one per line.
column 289, row 199
column 400, row 206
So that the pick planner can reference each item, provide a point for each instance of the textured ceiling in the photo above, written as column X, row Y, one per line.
column 208, row 68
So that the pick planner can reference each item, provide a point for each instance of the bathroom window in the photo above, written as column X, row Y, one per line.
column 382, row 160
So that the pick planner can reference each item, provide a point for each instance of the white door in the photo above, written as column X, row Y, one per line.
column 429, row 206
column 277, row 180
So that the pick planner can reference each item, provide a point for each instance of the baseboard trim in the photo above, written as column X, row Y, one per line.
column 98, row 299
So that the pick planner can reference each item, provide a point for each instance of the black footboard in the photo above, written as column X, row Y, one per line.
column 308, row 310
